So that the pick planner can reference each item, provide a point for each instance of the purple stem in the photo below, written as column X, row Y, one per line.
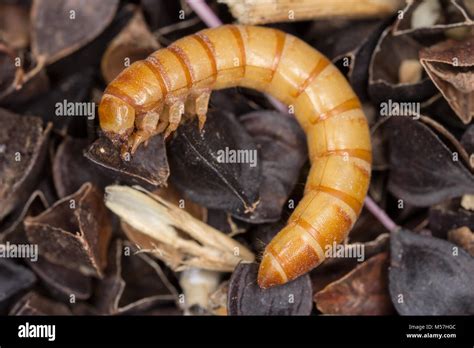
column 378, row 212
column 211, row 20
column 204, row 12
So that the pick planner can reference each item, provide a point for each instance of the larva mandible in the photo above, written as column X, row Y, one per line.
column 151, row 96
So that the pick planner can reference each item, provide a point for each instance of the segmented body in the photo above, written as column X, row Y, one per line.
column 151, row 95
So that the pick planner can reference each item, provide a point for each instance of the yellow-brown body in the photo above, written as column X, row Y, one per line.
column 150, row 97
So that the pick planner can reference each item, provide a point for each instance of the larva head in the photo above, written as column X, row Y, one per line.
column 116, row 118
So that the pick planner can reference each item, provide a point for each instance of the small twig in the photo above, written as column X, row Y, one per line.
column 380, row 214
column 211, row 20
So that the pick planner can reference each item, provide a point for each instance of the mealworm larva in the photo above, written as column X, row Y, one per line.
column 152, row 95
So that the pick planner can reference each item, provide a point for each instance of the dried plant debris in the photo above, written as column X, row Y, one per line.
column 12, row 74
column 247, row 298
column 160, row 12
column 467, row 202
column 440, row 173
column 450, row 64
column 58, row 27
column 434, row 15
column 217, row 167
column 463, row 237
column 363, row 291
column 439, row 110
column 449, row 139
column 388, row 78
column 30, row 89
column 448, row 216
column 61, row 281
column 202, row 246
column 236, row 102
column 198, row 285
column 218, row 299
column 74, row 232
column 350, row 47
column 173, row 196
column 35, row 304
column 335, row 268
column 12, row 228
column 14, row 25
column 225, row 222
column 270, row 11
column 71, row 169
column 65, row 103
column 134, row 282
column 430, row 276
column 134, row 42
column 282, row 146
column 147, row 167
column 23, row 144
column 467, row 140
column 13, row 280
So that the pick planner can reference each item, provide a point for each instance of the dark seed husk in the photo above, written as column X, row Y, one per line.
column 23, row 144
column 62, row 282
column 13, row 280
column 12, row 229
column 247, row 298
column 384, row 81
column 147, row 167
column 74, row 232
column 438, row 175
column 71, row 168
column 134, row 282
column 447, row 216
column 451, row 14
column 430, row 276
column 201, row 172
column 363, row 291
column 58, row 27
column 450, row 64
column 35, row 304
column 282, row 146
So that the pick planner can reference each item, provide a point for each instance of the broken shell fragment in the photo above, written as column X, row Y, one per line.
column 450, row 64
column 23, row 144
column 74, row 232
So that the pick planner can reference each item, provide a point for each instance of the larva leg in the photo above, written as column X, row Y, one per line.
column 145, row 128
column 202, row 103
column 163, row 122
column 197, row 105
column 175, row 113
